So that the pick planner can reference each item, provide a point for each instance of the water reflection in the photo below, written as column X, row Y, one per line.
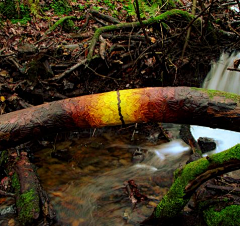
column 88, row 188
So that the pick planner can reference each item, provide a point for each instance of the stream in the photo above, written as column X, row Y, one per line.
column 87, row 177
column 116, row 176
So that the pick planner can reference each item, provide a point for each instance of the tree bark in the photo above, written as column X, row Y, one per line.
column 188, row 179
column 182, row 105
column 31, row 200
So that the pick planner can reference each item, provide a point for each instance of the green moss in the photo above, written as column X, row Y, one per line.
column 28, row 203
column 15, row 183
column 60, row 22
column 177, row 173
column 176, row 198
column 163, row 17
column 232, row 96
column 68, row 25
column 214, row 93
column 232, row 153
column 229, row 216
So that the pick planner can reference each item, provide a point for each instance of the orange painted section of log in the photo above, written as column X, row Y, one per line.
column 95, row 110
column 136, row 105
column 168, row 104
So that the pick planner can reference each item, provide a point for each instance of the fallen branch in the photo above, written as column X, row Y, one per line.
column 183, row 105
column 8, row 194
column 157, row 19
column 31, row 201
column 233, row 69
column 125, row 37
column 104, row 17
column 60, row 21
column 226, row 189
column 68, row 71
column 185, row 183
column 103, row 76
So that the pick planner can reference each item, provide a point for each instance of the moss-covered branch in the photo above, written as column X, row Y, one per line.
column 228, row 216
column 31, row 201
column 163, row 17
column 204, row 168
column 60, row 21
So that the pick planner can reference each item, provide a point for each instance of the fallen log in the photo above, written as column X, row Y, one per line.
column 183, row 105
column 188, row 179
column 32, row 202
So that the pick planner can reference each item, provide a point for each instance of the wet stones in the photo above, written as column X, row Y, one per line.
column 138, row 155
column 206, row 144
column 163, row 179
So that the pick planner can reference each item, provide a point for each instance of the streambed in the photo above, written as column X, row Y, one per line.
column 87, row 177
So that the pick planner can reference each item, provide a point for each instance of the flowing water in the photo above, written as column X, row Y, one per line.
column 87, row 178
column 87, row 181
column 219, row 78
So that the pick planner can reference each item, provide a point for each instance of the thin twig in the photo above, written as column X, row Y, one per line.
column 189, row 29
column 189, row 25
column 103, row 76
column 140, row 21
column 68, row 71
column 4, row 193
column 233, row 30
column 233, row 69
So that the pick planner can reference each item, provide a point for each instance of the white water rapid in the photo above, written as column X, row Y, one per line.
column 219, row 78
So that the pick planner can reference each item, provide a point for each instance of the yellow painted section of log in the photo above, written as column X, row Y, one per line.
column 130, row 105
column 105, row 108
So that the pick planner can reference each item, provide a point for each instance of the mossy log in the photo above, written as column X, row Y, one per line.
column 59, row 22
column 31, row 201
column 191, row 177
column 104, row 17
column 183, row 105
column 161, row 18
column 228, row 216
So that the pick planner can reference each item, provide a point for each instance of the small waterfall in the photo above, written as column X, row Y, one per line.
column 219, row 78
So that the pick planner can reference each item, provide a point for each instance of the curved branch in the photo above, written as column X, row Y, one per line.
column 162, row 17
column 183, row 105
column 187, row 180
column 60, row 21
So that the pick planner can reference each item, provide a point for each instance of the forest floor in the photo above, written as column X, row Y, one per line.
column 47, row 58
column 96, row 47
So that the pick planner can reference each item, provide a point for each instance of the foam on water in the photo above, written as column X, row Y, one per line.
column 224, row 139
column 219, row 78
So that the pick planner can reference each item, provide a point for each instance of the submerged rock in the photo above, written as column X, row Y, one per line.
column 206, row 144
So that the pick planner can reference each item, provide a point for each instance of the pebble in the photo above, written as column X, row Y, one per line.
column 123, row 162
column 63, row 145
column 7, row 210
column 152, row 204
column 89, row 169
